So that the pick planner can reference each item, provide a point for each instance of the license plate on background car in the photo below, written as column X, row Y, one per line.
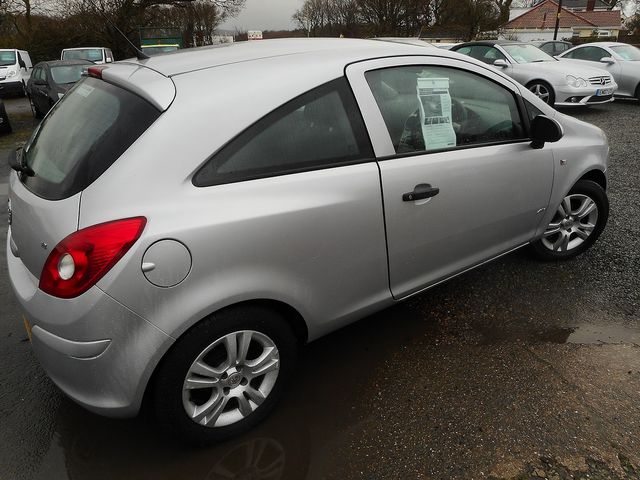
column 601, row 92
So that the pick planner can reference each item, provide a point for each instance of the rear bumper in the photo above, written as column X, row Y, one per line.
column 95, row 350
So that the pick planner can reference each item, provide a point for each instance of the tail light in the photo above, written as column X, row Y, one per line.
column 84, row 257
column 96, row 72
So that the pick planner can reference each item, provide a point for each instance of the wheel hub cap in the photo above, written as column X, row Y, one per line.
column 230, row 378
column 572, row 224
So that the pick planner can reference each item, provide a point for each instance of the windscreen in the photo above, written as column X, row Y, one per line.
column 91, row 54
column 67, row 74
column 628, row 52
column 82, row 136
column 527, row 54
column 7, row 57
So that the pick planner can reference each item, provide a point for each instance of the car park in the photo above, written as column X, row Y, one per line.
column 620, row 60
column 555, row 82
column 97, row 55
column 191, row 272
column 51, row 80
column 553, row 47
column 15, row 69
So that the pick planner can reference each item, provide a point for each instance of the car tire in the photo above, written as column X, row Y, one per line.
column 571, row 233
column 543, row 91
column 200, row 401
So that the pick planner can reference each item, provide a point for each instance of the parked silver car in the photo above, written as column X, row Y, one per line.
column 181, row 225
column 554, row 82
column 620, row 60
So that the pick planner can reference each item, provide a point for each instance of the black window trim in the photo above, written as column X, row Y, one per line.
column 526, row 127
column 354, row 115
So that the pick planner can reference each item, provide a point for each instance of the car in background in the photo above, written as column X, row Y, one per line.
column 554, row 82
column 553, row 47
column 370, row 172
column 97, row 55
column 620, row 60
column 51, row 80
column 15, row 69
column 5, row 124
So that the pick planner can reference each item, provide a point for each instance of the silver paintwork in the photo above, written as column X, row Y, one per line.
column 315, row 241
column 248, row 380
column 626, row 73
column 555, row 73
column 571, row 225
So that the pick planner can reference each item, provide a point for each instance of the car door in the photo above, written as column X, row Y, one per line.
column 40, row 88
column 461, row 183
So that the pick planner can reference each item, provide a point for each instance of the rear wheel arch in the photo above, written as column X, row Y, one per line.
column 290, row 315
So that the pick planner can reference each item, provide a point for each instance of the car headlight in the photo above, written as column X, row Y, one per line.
column 11, row 73
column 576, row 82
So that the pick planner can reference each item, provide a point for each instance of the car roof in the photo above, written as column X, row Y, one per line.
column 293, row 50
column 61, row 63
column 83, row 48
column 602, row 44
column 490, row 43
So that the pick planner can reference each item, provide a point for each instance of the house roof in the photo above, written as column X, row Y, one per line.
column 543, row 16
column 606, row 18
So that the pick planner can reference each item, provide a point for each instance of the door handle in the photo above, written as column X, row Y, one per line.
column 420, row 192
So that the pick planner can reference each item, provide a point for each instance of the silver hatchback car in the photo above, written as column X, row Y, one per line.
column 181, row 225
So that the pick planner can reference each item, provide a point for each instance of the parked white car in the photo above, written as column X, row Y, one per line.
column 15, row 70
column 620, row 60
column 554, row 82
column 97, row 55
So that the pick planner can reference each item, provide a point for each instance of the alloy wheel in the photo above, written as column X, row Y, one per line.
column 230, row 378
column 574, row 221
column 541, row 91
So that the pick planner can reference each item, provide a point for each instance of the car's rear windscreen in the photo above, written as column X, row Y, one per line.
column 84, row 134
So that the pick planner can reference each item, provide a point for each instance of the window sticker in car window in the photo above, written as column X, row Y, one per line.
column 84, row 90
column 435, row 113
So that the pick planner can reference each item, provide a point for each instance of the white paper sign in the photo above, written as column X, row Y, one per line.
column 435, row 113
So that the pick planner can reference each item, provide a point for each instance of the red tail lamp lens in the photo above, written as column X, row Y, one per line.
column 96, row 72
column 84, row 257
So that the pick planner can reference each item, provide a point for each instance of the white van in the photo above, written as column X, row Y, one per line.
column 96, row 55
column 15, row 70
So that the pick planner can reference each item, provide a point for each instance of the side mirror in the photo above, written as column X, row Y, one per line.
column 16, row 161
column 543, row 130
column 501, row 63
column 608, row 60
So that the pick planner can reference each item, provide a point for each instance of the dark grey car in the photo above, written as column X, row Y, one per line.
column 51, row 80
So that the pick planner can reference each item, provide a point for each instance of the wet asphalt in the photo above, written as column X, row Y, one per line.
column 518, row 369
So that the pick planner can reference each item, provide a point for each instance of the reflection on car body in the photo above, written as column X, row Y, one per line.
column 191, row 276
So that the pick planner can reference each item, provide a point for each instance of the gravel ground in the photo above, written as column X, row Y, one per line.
column 518, row 369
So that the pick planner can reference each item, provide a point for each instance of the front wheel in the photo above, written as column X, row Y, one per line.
column 577, row 223
column 225, row 375
column 543, row 91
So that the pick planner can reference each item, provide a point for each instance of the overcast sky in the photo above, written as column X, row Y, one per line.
column 264, row 15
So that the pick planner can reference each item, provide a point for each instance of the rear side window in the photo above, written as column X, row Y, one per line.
column 88, row 130
column 321, row 128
